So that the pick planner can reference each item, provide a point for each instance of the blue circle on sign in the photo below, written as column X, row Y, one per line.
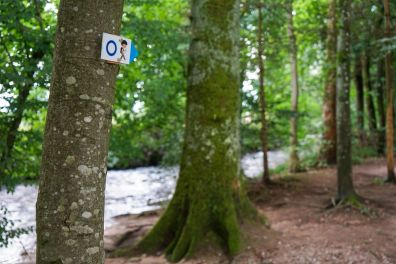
column 107, row 48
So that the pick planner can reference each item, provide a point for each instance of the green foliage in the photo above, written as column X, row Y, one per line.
column 379, row 181
column 279, row 170
column 360, row 153
column 310, row 17
column 354, row 202
column 7, row 228
column 149, row 110
column 26, row 36
column 148, row 113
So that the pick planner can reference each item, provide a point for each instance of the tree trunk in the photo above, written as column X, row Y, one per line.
column 381, row 107
column 329, row 147
column 208, row 195
column 13, row 129
column 260, row 61
column 372, row 119
column 345, row 188
column 389, row 99
column 294, row 160
column 359, row 100
column 13, row 126
column 70, row 203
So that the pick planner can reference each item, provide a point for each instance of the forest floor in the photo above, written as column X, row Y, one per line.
column 302, row 228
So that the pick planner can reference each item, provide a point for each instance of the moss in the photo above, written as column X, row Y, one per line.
column 218, row 11
column 209, row 197
column 121, row 252
column 378, row 181
column 165, row 230
column 355, row 202
column 184, row 224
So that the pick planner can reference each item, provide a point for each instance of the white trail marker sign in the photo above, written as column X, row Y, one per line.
column 117, row 49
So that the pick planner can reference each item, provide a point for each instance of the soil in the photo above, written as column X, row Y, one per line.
column 304, row 228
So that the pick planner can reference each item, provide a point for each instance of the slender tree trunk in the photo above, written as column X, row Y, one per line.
column 294, row 160
column 34, row 57
column 329, row 148
column 359, row 100
column 344, row 156
column 381, row 107
column 380, row 84
column 260, row 61
column 13, row 126
column 70, row 203
column 372, row 119
column 208, row 193
column 13, row 129
column 389, row 99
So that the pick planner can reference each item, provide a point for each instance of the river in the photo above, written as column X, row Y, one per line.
column 127, row 192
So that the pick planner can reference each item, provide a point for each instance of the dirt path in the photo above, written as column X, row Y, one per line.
column 302, row 230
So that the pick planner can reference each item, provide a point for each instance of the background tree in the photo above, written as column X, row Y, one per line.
column 25, row 49
column 149, row 111
column 377, row 23
column 380, row 89
column 389, row 99
column 208, row 195
column 329, row 148
column 260, row 62
column 294, row 159
column 372, row 119
column 70, row 203
column 359, row 87
column 310, row 16
column 345, row 188
column 367, row 18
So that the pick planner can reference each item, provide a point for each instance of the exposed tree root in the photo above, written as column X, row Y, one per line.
column 391, row 180
column 187, row 221
column 353, row 201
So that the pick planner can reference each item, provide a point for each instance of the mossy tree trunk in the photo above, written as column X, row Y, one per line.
column 294, row 162
column 70, row 205
column 389, row 99
column 262, row 101
column 329, row 147
column 208, row 195
column 345, row 188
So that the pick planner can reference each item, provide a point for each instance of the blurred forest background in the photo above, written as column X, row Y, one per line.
column 288, row 57
column 149, row 111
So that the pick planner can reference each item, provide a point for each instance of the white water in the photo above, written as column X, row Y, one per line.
column 127, row 192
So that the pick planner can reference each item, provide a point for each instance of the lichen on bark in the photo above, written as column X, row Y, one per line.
column 70, row 204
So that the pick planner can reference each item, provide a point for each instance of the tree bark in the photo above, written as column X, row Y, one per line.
column 359, row 100
column 345, row 188
column 389, row 99
column 208, row 195
column 372, row 119
column 70, row 205
column 260, row 61
column 294, row 163
column 329, row 147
